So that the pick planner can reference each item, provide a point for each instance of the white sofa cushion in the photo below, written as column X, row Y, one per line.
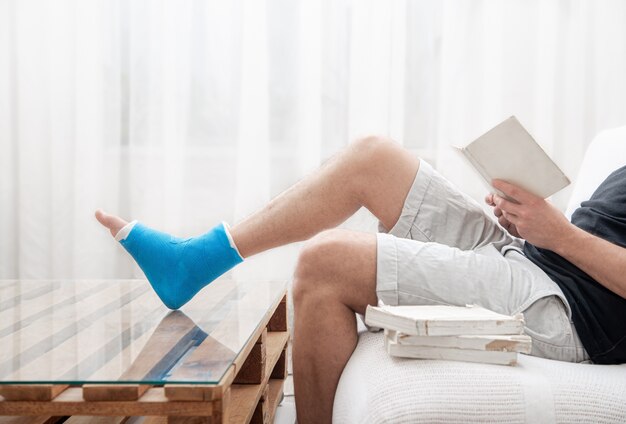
column 376, row 388
column 605, row 153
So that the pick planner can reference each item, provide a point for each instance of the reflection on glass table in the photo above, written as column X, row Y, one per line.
column 106, row 332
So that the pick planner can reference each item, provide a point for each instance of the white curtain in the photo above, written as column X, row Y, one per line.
column 184, row 113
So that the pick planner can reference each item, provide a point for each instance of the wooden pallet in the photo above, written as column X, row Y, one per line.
column 249, row 391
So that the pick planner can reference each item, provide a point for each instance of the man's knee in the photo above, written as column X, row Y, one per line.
column 375, row 158
column 318, row 263
column 373, row 146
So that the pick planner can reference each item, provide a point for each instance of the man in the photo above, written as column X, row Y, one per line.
column 437, row 247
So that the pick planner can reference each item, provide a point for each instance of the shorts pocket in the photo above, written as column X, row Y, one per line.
column 548, row 325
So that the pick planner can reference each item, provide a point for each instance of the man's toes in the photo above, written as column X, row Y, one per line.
column 112, row 222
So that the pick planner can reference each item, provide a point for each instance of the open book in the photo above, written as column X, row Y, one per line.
column 442, row 320
column 508, row 152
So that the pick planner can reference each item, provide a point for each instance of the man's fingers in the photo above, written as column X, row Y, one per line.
column 504, row 222
column 505, row 205
column 497, row 211
column 513, row 191
column 508, row 215
column 489, row 200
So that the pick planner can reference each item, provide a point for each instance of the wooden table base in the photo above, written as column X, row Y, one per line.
column 249, row 392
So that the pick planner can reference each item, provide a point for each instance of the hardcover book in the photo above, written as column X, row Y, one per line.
column 502, row 343
column 442, row 320
column 508, row 152
column 450, row 354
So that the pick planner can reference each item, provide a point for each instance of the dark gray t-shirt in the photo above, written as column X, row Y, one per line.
column 599, row 315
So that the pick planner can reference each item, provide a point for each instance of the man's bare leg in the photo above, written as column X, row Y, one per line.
column 335, row 277
column 372, row 172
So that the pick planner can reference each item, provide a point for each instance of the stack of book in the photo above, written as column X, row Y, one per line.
column 470, row 333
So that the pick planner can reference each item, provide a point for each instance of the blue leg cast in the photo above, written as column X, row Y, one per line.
column 180, row 268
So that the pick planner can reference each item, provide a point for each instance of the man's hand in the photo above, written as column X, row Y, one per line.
column 532, row 218
column 489, row 199
column 543, row 225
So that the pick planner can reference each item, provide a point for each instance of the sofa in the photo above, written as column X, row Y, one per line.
column 376, row 388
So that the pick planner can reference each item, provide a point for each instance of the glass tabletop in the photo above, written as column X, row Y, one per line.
column 118, row 331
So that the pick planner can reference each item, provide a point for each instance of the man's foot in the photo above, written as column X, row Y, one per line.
column 112, row 222
column 176, row 268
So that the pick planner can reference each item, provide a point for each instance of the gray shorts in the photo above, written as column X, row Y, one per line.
column 445, row 249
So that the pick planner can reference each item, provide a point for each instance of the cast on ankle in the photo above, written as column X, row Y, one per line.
column 231, row 241
column 125, row 231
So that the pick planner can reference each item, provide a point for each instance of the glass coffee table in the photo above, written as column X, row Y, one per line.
column 110, row 348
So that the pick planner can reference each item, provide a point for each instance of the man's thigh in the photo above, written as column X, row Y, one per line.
column 436, row 211
column 414, row 273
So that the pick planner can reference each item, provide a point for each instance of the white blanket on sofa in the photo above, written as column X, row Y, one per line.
column 376, row 388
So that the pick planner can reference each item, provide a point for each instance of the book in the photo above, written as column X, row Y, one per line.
column 443, row 320
column 495, row 343
column 450, row 354
column 509, row 153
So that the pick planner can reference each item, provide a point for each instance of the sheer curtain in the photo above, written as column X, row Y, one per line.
column 184, row 113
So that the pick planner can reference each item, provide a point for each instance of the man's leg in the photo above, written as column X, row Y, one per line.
column 335, row 277
column 371, row 172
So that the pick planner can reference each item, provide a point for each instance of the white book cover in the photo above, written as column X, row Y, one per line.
column 450, row 354
column 442, row 320
column 515, row 343
column 508, row 152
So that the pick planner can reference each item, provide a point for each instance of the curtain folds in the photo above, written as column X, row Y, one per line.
column 185, row 113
